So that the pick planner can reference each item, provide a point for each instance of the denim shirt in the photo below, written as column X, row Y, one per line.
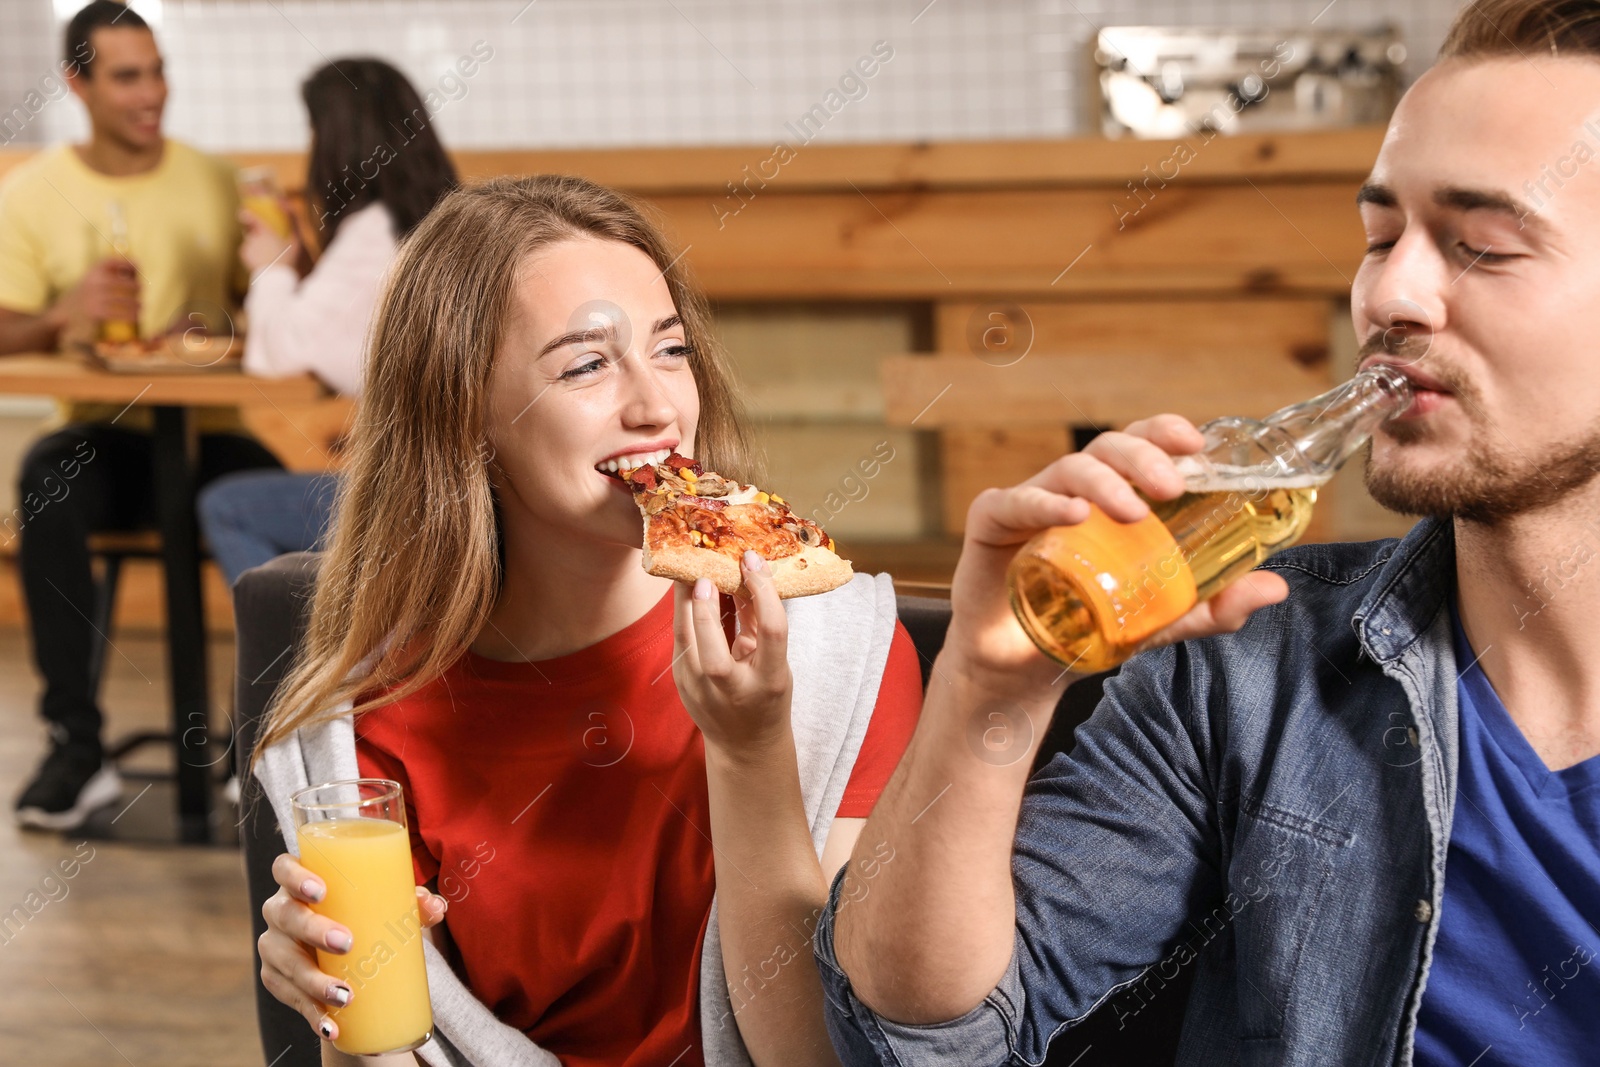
column 1271, row 808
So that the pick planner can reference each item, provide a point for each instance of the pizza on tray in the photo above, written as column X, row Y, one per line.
column 698, row 524
column 190, row 351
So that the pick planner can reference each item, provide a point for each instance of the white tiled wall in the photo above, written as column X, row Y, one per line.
column 636, row 72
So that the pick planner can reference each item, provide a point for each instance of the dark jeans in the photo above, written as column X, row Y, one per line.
column 84, row 478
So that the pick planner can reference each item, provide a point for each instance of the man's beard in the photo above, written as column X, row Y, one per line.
column 1486, row 485
column 1496, row 479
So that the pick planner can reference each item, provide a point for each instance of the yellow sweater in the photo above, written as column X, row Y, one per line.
column 183, row 238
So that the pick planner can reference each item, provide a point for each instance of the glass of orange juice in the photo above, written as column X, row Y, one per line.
column 352, row 835
column 259, row 194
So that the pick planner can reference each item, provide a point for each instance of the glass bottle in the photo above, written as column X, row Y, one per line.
column 119, row 331
column 1089, row 594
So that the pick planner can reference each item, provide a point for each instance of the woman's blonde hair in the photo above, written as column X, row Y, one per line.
column 413, row 565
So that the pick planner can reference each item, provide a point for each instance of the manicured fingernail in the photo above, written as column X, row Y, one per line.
column 339, row 940
column 702, row 589
column 752, row 561
column 311, row 889
column 326, row 1028
column 338, row 994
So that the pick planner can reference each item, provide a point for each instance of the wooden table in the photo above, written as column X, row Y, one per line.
column 172, row 396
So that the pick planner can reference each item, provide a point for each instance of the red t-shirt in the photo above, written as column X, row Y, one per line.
column 562, row 806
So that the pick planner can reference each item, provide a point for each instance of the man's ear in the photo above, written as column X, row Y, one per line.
column 78, row 82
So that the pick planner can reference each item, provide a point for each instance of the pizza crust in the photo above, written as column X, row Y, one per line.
column 813, row 570
column 686, row 563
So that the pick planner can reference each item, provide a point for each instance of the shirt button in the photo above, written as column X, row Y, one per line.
column 1424, row 911
column 1386, row 631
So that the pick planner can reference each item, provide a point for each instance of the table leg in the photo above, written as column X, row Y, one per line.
column 176, row 459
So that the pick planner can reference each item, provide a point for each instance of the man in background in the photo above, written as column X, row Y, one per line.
column 130, row 227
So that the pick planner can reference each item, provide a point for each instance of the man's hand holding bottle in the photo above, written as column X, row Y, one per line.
column 107, row 292
column 984, row 637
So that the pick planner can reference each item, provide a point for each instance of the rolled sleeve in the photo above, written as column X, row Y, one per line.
column 861, row 1038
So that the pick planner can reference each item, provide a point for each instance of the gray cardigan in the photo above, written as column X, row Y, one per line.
column 838, row 646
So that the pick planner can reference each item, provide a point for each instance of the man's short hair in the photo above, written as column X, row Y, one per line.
column 98, row 14
column 1525, row 29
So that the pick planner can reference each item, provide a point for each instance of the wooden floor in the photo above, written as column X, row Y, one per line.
column 143, row 957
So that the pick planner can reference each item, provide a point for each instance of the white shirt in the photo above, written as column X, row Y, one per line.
column 319, row 323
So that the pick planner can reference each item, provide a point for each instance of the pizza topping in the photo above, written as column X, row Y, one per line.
column 746, row 494
column 686, row 504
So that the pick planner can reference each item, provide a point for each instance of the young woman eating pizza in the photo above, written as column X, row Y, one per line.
column 633, row 819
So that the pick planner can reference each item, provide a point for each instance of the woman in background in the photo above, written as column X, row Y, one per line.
column 376, row 169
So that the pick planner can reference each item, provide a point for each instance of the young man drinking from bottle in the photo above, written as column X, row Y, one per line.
column 1367, row 771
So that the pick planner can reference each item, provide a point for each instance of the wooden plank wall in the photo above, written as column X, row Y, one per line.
column 1135, row 276
column 1005, row 408
column 1259, row 214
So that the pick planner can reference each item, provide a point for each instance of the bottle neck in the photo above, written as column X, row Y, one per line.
column 1327, row 430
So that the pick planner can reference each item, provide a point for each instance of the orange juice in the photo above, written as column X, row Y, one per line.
column 259, row 195
column 366, row 865
column 267, row 208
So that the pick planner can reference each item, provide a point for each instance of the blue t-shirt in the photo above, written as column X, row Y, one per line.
column 1515, row 976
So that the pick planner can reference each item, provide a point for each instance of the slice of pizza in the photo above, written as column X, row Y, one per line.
column 698, row 524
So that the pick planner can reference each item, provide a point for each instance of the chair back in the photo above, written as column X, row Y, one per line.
column 271, row 603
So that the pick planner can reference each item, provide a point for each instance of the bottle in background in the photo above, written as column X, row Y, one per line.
column 119, row 331
column 1089, row 594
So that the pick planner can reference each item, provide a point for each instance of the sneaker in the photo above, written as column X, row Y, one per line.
column 72, row 781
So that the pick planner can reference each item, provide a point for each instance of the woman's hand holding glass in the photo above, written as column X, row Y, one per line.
column 264, row 245
column 294, row 933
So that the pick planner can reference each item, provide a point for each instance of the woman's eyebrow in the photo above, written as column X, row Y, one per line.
column 607, row 332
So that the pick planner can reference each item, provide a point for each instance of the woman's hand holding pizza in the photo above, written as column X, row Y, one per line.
column 738, row 693
column 984, row 636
